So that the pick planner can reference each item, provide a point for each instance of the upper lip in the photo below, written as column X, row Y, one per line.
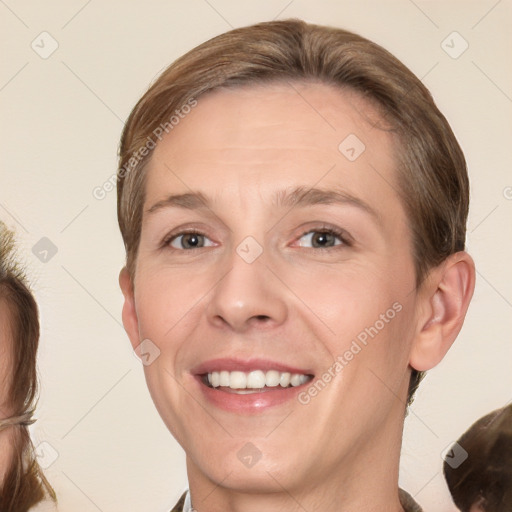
column 246, row 365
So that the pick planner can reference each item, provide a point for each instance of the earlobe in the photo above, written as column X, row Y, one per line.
column 130, row 320
column 446, row 296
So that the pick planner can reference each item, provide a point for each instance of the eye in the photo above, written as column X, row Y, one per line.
column 188, row 241
column 321, row 239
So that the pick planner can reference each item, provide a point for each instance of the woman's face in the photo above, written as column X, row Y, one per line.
column 6, row 449
column 273, row 240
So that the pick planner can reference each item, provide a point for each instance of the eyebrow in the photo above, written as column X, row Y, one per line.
column 188, row 201
column 287, row 198
column 302, row 196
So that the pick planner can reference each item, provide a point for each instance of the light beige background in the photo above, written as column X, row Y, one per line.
column 61, row 121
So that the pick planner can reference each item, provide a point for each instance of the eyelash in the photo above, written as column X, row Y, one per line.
column 340, row 234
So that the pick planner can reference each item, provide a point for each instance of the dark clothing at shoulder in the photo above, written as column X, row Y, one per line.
column 407, row 502
column 179, row 506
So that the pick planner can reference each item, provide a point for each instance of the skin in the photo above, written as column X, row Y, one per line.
column 297, row 304
column 6, row 439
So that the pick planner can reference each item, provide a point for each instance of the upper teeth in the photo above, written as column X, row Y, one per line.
column 255, row 379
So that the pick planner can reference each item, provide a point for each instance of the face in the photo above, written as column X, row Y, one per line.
column 477, row 507
column 275, row 278
column 6, row 449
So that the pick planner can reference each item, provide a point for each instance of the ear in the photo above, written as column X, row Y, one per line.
column 130, row 320
column 444, row 300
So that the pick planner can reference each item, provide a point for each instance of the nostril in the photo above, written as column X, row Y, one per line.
column 263, row 318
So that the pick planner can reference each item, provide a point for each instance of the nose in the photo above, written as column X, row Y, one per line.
column 249, row 296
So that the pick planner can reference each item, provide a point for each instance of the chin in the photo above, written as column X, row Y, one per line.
column 261, row 478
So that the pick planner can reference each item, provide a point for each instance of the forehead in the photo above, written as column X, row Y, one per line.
column 249, row 140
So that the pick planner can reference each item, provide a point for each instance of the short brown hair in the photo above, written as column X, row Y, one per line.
column 485, row 477
column 431, row 167
column 24, row 484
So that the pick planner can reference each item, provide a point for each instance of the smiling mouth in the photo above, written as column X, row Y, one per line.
column 256, row 381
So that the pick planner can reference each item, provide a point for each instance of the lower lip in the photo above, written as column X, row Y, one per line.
column 251, row 402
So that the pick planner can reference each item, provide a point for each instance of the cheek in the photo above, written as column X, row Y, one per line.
column 167, row 301
column 348, row 301
column 362, row 319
